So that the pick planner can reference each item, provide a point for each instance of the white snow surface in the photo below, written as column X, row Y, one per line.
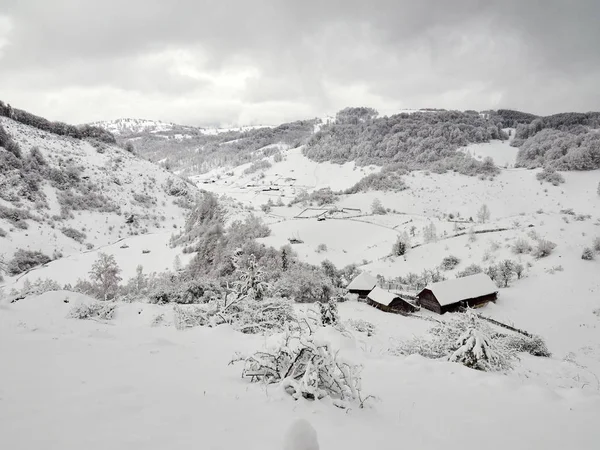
column 363, row 282
column 454, row 290
column 382, row 296
column 125, row 384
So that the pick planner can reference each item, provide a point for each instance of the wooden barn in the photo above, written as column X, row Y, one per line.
column 362, row 285
column 473, row 291
column 389, row 302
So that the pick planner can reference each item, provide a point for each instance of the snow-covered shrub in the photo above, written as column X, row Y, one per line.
column 3, row 233
column 263, row 164
column 543, row 248
column 446, row 338
column 551, row 176
column 23, row 260
column 305, row 285
column 328, row 312
column 176, row 187
column 257, row 316
column 533, row 345
column 96, row 310
column 477, row 351
column 199, row 290
column 449, row 262
column 380, row 181
column 38, row 287
column 74, row 234
column 361, row 325
column 321, row 248
column 521, row 246
column 401, row 245
column 469, row 270
column 596, row 244
column 587, row 254
column 377, row 207
column 305, row 366
column 190, row 316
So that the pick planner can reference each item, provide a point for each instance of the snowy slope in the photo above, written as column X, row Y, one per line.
column 127, row 127
column 155, row 387
column 134, row 187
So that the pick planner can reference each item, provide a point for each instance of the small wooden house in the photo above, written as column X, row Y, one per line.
column 473, row 291
column 389, row 302
column 362, row 285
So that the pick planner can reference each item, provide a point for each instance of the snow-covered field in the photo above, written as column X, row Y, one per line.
column 71, row 384
column 137, row 382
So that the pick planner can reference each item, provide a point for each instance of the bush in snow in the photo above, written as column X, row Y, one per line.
column 401, row 245
column 477, row 351
column 361, row 325
column 305, row 366
column 449, row 262
column 377, row 207
column 38, row 287
column 96, row 310
column 551, row 176
column 596, row 244
column 469, row 270
column 461, row 339
column 321, row 248
column 543, row 248
column 521, row 246
column 328, row 312
column 534, row 345
column 23, row 260
column 74, row 234
column 587, row 254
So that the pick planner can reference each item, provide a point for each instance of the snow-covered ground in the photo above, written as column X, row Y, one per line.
column 71, row 384
column 130, row 383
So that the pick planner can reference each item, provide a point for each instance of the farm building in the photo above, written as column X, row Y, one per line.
column 362, row 285
column 389, row 302
column 452, row 295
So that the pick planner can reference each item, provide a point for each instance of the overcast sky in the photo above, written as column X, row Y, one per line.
column 269, row 61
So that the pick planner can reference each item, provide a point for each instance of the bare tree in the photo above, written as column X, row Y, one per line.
column 483, row 214
column 105, row 273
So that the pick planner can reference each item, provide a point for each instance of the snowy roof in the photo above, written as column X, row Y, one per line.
column 363, row 282
column 453, row 291
column 381, row 296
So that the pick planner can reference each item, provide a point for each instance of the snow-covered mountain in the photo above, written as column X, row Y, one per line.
column 124, row 128
column 64, row 195
column 127, row 126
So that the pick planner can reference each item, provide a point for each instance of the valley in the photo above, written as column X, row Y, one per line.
column 246, row 251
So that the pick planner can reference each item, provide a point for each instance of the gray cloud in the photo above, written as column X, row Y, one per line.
column 271, row 61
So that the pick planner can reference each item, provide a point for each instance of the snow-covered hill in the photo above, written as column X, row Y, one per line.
column 124, row 128
column 120, row 127
column 87, row 195
column 151, row 383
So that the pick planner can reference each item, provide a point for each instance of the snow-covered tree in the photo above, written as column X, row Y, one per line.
column 377, row 207
column 251, row 282
column 476, row 350
column 483, row 215
column 105, row 274
column 430, row 233
column 328, row 312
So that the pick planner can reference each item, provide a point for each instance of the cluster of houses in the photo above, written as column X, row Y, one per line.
column 453, row 295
